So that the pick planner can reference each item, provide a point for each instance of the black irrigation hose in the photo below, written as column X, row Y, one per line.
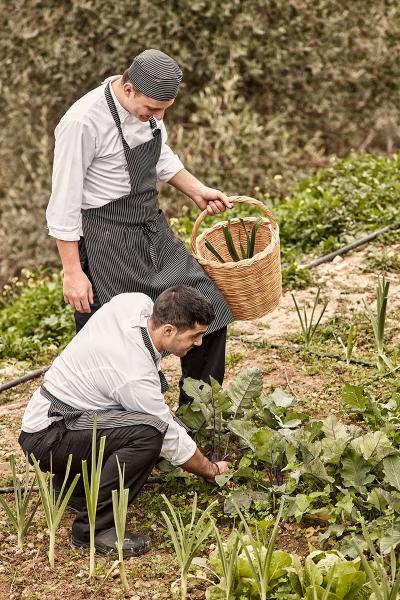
column 311, row 265
column 27, row 377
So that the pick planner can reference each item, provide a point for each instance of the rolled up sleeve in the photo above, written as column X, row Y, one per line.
column 144, row 395
column 73, row 153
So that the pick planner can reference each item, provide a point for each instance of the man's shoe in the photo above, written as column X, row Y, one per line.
column 135, row 544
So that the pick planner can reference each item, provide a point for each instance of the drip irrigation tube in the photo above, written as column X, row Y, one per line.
column 311, row 265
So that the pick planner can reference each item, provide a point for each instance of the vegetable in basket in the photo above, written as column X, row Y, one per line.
column 244, row 253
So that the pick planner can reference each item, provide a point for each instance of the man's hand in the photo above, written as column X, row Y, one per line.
column 206, row 198
column 214, row 201
column 219, row 468
column 200, row 465
column 78, row 291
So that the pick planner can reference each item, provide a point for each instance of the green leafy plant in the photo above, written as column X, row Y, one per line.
column 378, row 322
column 308, row 325
column 384, row 586
column 120, row 508
column 247, row 252
column 224, row 565
column 19, row 514
column 258, row 561
column 187, row 538
column 92, row 488
column 54, row 507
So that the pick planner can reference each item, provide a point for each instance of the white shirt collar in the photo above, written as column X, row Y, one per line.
column 122, row 112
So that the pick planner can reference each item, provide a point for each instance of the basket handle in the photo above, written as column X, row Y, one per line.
column 233, row 200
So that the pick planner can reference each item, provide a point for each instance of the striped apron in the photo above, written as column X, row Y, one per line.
column 76, row 418
column 128, row 245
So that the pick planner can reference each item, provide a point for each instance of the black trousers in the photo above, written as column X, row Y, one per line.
column 138, row 447
column 200, row 362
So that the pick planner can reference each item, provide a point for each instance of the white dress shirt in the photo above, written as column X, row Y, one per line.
column 107, row 365
column 89, row 168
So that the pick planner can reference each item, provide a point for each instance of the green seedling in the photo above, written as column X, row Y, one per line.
column 18, row 513
column 92, row 489
column 120, row 508
column 378, row 322
column 308, row 326
column 349, row 346
column 186, row 538
column 53, row 507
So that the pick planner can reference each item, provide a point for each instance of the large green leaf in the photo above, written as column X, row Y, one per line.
column 315, row 468
column 355, row 397
column 391, row 467
column 373, row 446
column 356, row 472
column 390, row 540
column 279, row 398
column 279, row 561
column 220, row 398
column 269, row 446
column 245, row 388
column 243, row 429
column 334, row 429
column 198, row 390
column 332, row 450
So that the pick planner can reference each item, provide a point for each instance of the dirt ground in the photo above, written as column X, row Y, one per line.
column 316, row 385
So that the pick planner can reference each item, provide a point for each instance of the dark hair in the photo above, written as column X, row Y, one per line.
column 183, row 307
column 125, row 79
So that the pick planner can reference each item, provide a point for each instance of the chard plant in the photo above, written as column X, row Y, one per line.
column 19, row 514
column 378, row 322
column 244, row 252
column 120, row 508
column 92, row 489
column 186, row 538
column 54, row 507
column 309, row 323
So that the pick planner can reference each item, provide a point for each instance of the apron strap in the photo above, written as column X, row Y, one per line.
column 114, row 112
column 149, row 346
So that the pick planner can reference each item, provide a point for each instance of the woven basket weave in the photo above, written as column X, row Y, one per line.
column 253, row 286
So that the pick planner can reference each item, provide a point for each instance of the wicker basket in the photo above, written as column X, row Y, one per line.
column 253, row 286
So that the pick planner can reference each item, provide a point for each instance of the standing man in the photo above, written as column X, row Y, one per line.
column 110, row 150
column 111, row 368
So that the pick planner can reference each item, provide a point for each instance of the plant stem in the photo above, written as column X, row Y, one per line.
column 52, row 545
column 122, row 571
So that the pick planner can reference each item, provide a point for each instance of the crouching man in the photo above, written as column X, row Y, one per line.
column 111, row 369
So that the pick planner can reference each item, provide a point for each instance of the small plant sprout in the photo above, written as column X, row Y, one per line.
column 186, row 539
column 19, row 514
column 378, row 321
column 384, row 586
column 258, row 558
column 308, row 326
column 120, row 508
column 53, row 507
column 349, row 346
column 92, row 489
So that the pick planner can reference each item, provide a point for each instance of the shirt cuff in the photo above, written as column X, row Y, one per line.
column 65, row 234
column 183, row 455
column 169, row 170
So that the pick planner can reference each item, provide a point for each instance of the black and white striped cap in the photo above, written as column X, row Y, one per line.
column 155, row 74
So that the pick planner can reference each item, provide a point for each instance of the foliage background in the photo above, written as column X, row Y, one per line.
column 271, row 89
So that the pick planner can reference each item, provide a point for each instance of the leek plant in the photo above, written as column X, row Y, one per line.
column 384, row 586
column 308, row 326
column 247, row 252
column 349, row 346
column 378, row 321
column 260, row 553
column 186, row 539
column 92, row 489
column 120, row 508
column 228, row 563
column 53, row 507
column 19, row 514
